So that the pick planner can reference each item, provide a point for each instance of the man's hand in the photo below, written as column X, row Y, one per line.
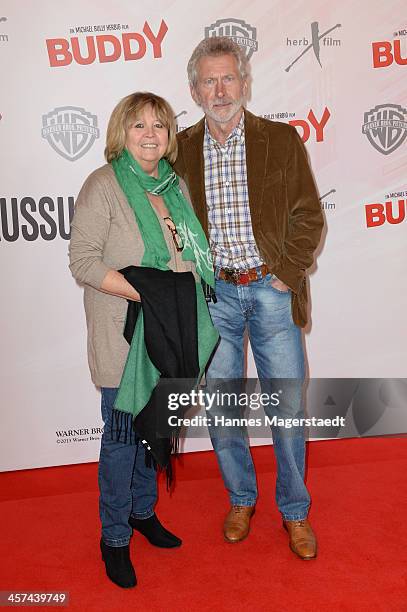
column 279, row 285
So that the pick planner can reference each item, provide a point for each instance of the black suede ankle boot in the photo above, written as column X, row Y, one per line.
column 155, row 533
column 118, row 565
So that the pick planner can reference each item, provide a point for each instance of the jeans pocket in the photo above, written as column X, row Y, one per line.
column 278, row 291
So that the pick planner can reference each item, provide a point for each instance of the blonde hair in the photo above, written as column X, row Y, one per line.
column 126, row 111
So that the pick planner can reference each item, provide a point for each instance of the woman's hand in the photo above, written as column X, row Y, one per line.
column 115, row 284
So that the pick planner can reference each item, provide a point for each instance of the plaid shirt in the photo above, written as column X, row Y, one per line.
column 230, row 228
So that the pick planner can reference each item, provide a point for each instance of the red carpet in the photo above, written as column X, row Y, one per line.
column 50, row 534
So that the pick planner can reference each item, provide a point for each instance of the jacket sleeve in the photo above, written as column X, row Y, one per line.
column 305, row 219
column 179, row 164
column 89, row 231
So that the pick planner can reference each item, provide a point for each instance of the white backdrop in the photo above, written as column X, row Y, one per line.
column 332, row 66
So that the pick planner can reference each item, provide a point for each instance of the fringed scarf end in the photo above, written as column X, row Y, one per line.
column 122, row 427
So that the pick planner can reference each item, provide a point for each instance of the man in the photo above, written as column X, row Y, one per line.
column 254, row 194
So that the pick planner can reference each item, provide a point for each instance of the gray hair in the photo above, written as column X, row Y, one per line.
column 214, row 46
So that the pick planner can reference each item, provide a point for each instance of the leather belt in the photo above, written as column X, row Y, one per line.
column 242, row 277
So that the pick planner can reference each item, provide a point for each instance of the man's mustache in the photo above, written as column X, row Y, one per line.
column 222, row 102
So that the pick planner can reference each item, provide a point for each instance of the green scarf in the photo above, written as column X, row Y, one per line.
column 140, row 376
column 135, row 182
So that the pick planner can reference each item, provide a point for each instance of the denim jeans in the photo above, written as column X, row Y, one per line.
column 265, row 312
column 127, row 487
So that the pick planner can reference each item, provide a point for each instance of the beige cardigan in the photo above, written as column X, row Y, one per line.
column 104, row 236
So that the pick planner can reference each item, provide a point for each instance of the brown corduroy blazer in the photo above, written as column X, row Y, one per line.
column 285, row 210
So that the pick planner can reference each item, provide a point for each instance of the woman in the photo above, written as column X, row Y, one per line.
column 125, row 216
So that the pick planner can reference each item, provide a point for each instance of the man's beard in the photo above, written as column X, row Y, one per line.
column 224, row 117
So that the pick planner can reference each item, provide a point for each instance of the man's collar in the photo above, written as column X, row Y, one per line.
column 237, row 134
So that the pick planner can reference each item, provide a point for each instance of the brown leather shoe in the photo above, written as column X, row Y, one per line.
column 237, row 523
column 302, row 539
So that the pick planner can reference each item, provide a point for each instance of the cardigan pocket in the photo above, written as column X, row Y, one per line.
column 119, row 322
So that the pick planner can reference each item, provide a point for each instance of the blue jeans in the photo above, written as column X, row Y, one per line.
column 127, row 487
column 265, row 312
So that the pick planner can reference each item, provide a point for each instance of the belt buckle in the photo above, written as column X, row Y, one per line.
column 231, row 275
column 236, row 276
column 227, row 275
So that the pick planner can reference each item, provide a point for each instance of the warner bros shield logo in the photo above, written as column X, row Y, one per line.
column 238, row 30
column 70, row 130
column 386, row 127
